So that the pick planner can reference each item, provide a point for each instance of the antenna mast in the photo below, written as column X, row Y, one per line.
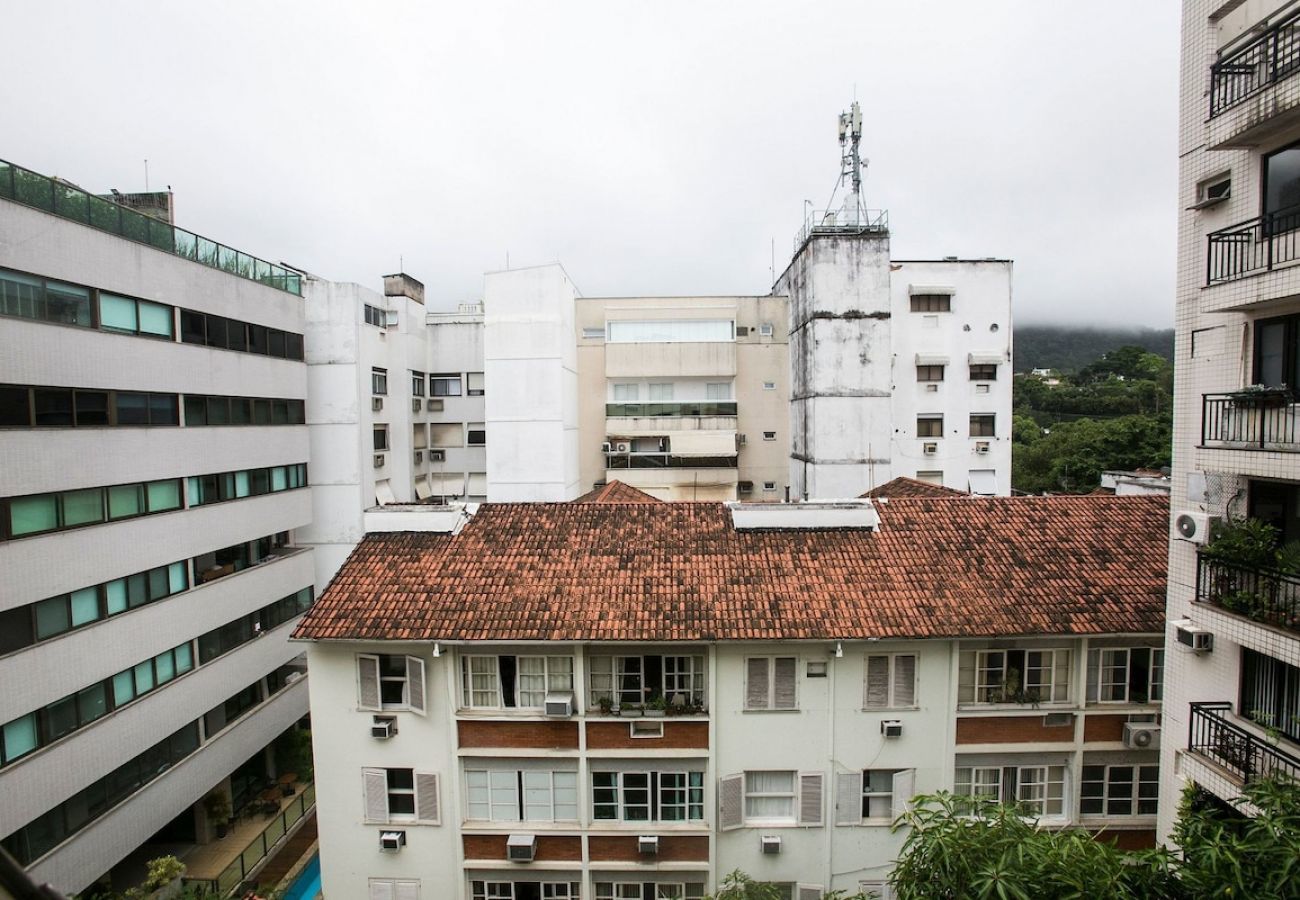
column 851, row 162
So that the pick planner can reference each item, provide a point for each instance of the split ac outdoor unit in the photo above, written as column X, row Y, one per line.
column 560, row 704
column 392, row 841
column 376, row 403
column 891, row 728
column 981, row 446
column 383, row 727
column 1141, row 736
column 1193, row 526
column 770, row 843
column 419, row 457
column 379, row 460
column 416, row 403
column 622, row 447
column 437, row 455
column 742, row 331
column 521, row 847
column 930, row 449
column 1199, row 639
column 648, row 844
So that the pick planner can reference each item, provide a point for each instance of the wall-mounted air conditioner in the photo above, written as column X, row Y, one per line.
column 437, row 456
column 770, row 843
column 560, row 704
column 741, row 439
column 932, row 388
column 392, row 841
column 419, row 457
column 521, row 847
column 1193, row 526
column 891, row 728
column 745, row 487
column 1199, row 639
column 981, row 446
column 376, row 403
column 379, row 460
column 930, row 449
column 383, row 727
column 416, row 404
column 622, row 447
column 648, row 844
column 1141, row 736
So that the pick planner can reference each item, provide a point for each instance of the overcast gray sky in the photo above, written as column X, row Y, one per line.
column 653, row 147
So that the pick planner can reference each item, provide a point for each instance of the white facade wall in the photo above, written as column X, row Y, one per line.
column 456, row 347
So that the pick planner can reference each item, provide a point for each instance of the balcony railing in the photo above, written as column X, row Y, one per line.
column 233, row 875
column 653, row 460
column 1263, row 595
column 1237, row 422
column 1213, row 734
column 1258, row 245
column 689, row 408
column 1267, row 59
column 41, row 192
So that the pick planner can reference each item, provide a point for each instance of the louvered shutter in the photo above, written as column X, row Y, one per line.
column 785, row 673
column 382, row 890
column 407, row 890
column 375, row 783
column 368, row 680
column 756, row 683
column 904, row 790
column 905, row 680
column 809, row 892
column 731, row 802
column 810, row 798
column 415, row 684
column 877, row 682
column 426, row 797
column 848, row 798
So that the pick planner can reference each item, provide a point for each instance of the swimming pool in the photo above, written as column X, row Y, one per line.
column 306, row 886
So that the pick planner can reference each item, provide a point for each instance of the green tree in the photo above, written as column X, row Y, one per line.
column 1231, row 855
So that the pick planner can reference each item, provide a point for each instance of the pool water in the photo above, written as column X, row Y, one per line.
column 306, row 886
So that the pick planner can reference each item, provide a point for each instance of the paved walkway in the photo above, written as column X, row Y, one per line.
column 210, row 860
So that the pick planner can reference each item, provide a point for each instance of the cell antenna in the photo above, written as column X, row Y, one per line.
column 851, row 162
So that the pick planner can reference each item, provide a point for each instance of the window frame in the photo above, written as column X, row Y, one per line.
column 891, row 684
column 1009, row 792
column 631, row 687
column 928, row 374
column 983, row 372
column 439, row 382
column 930, row 303
column 518, row 794
column 984, row 692
column 418, row 383
column 1104, row 798
column 929, row 426
column 691, row 788
column 770, row 704
column 554, row 674
column 792, row 795
column 983, row 425
column 1098, row 670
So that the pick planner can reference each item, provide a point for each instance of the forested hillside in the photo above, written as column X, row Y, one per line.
column 1070, row 348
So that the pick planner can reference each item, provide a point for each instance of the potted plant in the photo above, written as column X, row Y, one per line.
column 629, row 710
column 217, row 806
column 1261, row 395
column 657, row 708
column 164, row 878
column 606, row 705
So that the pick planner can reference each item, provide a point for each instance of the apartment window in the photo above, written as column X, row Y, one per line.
column 203, row 410
column 474, row 384
column 765, row 329
column 231, row 334
column 1119, row 790
column 1037, row 790
column 769, row 385
column 526, row 890
column 627, row 393
column 1212, row 191
column 638, row 679
column 513, row 681
column 931, row 303
column 132, row 316
column 417, row 384
column 29, row 297
column 389, row 682
column 476, row 435
column 530, row 795
column 770, row 682
column 981, row 425
column 594, row 333
column 374, row 316
column 650, row 890
column 400, row 795
column 661, row 392
column 1125, row 674
column 769, row 485
column 42, row 513
column 769, row 435
column 671, row 332
column 394, row 889
column 205, row 489
column 1014, row 676
column 647, row 796
column 890, row 681
column 444, row 385
column 929, row 373
column 983, row 372
column 379, row 382
column 58, row 407
column 771, row 798
column 236, row 633
column 1282, row 188
column 1270, row 693
column 930, row 476
column 1277, row 352
column 380, row 437
column 878, row 793
column 929, row 426
column 719, row 390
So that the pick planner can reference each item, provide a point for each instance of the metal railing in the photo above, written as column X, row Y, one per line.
column 653, row 460
column 1237, row 422
column 1262, row 595
column 1212, row 734
column 1267, row 59
column 233, row 875
column 685, row 408
column 836, row 221
column 1257, row 245
column 70, row 202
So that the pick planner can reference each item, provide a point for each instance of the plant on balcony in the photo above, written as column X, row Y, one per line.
column 1256, row 395
column 1013, row 691
column 1243, row 542
column 657, row 708
column 605, row 704
column 629, row 710
column 218, row 808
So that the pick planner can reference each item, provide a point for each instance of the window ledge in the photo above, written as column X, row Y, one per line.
column 1027, row 709
column 764, row 712
column 775, row 823
column 891, row 709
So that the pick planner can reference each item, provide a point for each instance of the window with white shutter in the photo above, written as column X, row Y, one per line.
column 394, row 889
column 731, row 802
column 756, row 683
column 904, row 791
column 391, row 682
column 407, row 890
column 375, row 789
column 808, row 892
column 890, row 681
column 810, row 798
column 368, row 681
column 415, row 684
column 771, row 682
column 426, row 798
column 848, row 798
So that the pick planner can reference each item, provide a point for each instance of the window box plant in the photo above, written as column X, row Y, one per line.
column 656, row 708
column 1261, row 396
column 606, row 705
column 629, row 710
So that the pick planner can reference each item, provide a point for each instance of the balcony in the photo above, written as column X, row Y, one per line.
column 690, row 408
column 1250, row 91
column 1241, row 421
column 1257, row 245
column 1268, row 596
column 654, row 460
column 1214, row 734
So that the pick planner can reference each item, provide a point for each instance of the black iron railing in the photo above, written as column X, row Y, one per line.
column 1263, row 595
column 1258, row 245
column 667, row 461
column 688, row 408
column 233, row 875
column 1237, row 422
column 1213, row 734
column 1267, row 59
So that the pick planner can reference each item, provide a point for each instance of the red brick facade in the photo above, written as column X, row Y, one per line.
column 530, row 735
column 672, row 848
column 550, row 847
column 617, row 735
column 1011, row 730
column 1104, row 728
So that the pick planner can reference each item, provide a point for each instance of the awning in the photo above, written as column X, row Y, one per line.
column 384, row 493
column 477, row 484
column 702, row 443
column 924, row 359
column 930, row 289
column 444, row 485
column 984, row 482
column 987, row 359
column 422, row 490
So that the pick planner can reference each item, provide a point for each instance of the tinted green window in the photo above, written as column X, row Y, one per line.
column 125, row 500
column 92, row 703
column 92, row 408
column 123, row 688
column 13, row 405
column 85, row 606
column 53, row 407
column 60, row 718
column 132, row 409
column 164, row 495
column 158, row 583
column 279, row 479
column 196, row 410
column 166, row 667
column 20, row 295
column 155, row 319
column 32, row 515
column 184, row 658
column 144, row 677
column 117, row 313
column 176, row 577
column 67, row 304
column 115, row 592
column 19, row 737
column 52, row 617
column 162, row 409
column 137, row 590
column 83, row 507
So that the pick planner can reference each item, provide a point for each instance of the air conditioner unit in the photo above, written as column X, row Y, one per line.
column 437, row 456
column 981, row 446
column 379, row 460
column 648, row 844
column 1141, row 736
column 390, row 317
column 891, row 728
column 932, row 388
column 741, row 439
column 521, row 847
column 434, row 406
column 560, row 704
column 1193, row 526
column 606, row 447
column 622, row 447
column 930, row 449
column 745, row 487
column 392, row 841
column 376, row 403
column 765, row 330
column 416, row 404
column 383, row 727
column 770, row 843
column 742, row 331
column 1199, row 639
column 419, row 457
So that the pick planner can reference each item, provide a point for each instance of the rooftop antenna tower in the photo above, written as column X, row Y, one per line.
column 851, row 164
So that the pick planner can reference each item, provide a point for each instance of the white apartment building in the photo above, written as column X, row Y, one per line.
column 623, row 698
column 152, row 391
column 1233, row 709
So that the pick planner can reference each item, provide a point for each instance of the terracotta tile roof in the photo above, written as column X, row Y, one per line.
column 617, row 492
column 968, row 566
column 903, row 486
